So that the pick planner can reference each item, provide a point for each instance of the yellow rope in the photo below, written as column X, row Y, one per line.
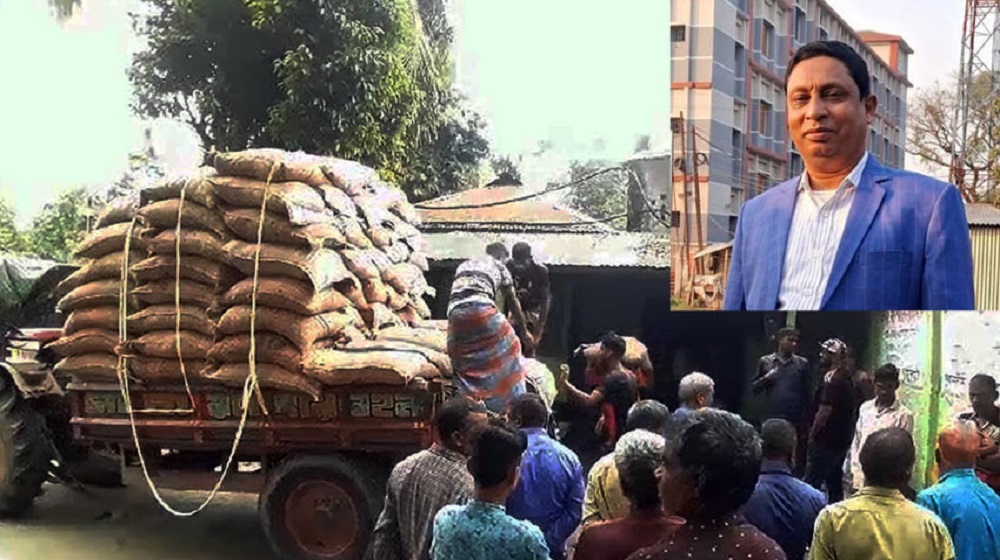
column 249, row 386
column 177, row 294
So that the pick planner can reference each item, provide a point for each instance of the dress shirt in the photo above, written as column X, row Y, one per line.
column 784, row 508
column 970, row 510
column 871, row 419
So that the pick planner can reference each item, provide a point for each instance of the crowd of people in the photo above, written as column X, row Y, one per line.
column 700, row 482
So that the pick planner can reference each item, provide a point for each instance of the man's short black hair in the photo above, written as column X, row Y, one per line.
column 887, row 458
column 720, row 454
column 778, row 438
column 983, row 379
column 615, row 343
column 530, row 410
column 521, row 251
column 785, row 333
column 856, row 65
column 649, row 415
column 497, row 250
column 886, row 373
column 495, row 451
column 453, row 416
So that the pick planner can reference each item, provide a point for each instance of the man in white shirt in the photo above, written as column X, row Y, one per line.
column 884, row 411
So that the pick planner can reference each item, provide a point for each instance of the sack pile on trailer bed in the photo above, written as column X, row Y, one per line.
column 339, row 287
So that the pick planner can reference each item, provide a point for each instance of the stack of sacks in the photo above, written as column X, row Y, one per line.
column 91, row 296
column 203, row 277
column 341, row 264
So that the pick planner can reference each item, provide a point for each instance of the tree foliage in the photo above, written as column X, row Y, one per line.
column 504, row 166
column 368, row 80
column 61, row 225
column 603, row 197
column 933, row 134
column 12, row 241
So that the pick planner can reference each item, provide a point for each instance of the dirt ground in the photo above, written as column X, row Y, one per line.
column 120, row 524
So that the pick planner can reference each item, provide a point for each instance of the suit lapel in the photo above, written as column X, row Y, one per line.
column 779, row 222
column 867, row 201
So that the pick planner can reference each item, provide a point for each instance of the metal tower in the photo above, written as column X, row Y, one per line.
column 978, row 89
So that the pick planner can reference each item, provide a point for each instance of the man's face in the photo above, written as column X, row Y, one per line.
column 982, row 397
column 885, row 392
column 788, row 344
column 827, row 119
column 825, row 358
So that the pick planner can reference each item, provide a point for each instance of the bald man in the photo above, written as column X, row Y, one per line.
column 969, row 508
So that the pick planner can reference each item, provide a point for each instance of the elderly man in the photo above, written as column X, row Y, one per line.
column 969, row 508
column 782, row 506
column 879, row 523
column 849, row 233
column 484, row 349
column 695, row 391
column 482, row 530
column 424, row 483
column 550, row 491
column 531, row 286
column 985, row 415
column 707, row 473
column 884, row 411
column 604, row 499
column 637, row 456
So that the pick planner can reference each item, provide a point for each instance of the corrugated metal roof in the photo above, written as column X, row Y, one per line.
column 982, row 214
column 539, row 213
column 610, row 249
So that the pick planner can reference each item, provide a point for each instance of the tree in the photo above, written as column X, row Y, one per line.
column 11, row 239
column 368, row 80
column 60, row 226
column 603, row 197
column 933, row 137
column 504, row 166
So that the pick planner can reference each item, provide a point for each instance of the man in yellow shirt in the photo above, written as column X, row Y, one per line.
column 878, row 523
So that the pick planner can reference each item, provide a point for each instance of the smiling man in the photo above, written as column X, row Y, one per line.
column 848, row 234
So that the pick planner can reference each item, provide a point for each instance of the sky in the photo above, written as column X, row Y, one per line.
column 587, row 77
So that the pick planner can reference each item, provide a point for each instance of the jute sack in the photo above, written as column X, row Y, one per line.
column 380, row 222
column 431, row 338
column 199, row 190
column 269, row 376
column 351, row 288
column 407, row 279
column 320, row 267
column 420, row 305
column 118, row 212
column 396, row 301
column 102, row 318
column 162, row 292
column 164, row 318
column 338, row 201
column 408, row 315
column 262, row 163
column 214, row 274
column 419, row 259
column 244, row 222
column 298, row 202
column 163, row 215
column 379, row 317
column 375, row 291
column 439, row 325
column 193, row 242
column 354, row 232
column 163, row 344
column 166, row 371
column 101, row 293
column 303, row 332
column 111, row 239
column 270, row 349
column 393, row 199
column 397, row 252
column 286, row 294
column 107, row 267
column 373, row 367
column 90, row 368
column 440, row 359
column 88, row 341
column 636, row 355
column 366, row 264
column 348, row 176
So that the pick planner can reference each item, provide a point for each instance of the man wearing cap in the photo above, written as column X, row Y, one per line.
column 970, row 509
column 832, row 429
column 531, row 286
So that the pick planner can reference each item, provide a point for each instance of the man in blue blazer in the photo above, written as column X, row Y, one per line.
column 849, row 234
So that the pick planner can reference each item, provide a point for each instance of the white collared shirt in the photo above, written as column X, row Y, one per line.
column 818, row 224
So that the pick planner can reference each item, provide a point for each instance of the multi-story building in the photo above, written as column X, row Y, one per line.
column 728, row 64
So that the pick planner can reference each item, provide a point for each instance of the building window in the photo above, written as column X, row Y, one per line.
column 767, row 41
column 762, row 182
column 823, row 35
column 678, row 33
column 739, row 115
column 800, row 25
column 766, row 118
column 886, row 153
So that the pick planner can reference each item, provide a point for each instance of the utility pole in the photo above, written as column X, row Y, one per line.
column 686, row 269
column 696, row 157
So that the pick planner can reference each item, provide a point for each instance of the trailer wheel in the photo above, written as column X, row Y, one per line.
column 24, row 452
column 321, row 508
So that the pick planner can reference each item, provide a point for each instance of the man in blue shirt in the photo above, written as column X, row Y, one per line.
column 551, row 488
column 969, row 508
column 782, row 506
